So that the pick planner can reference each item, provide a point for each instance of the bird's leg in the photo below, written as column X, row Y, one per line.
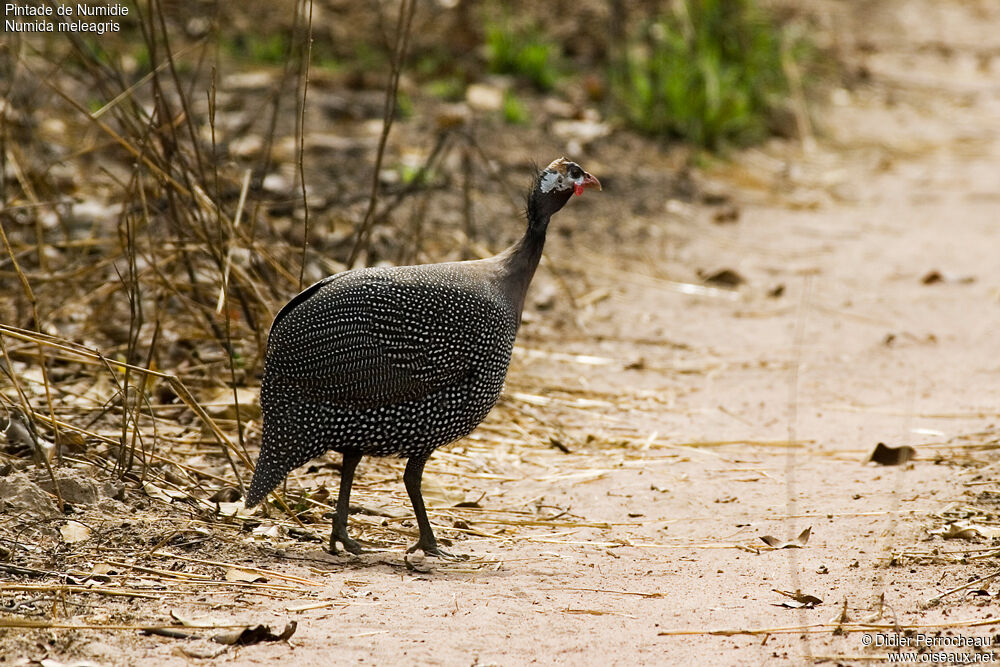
column 339, row 532
column 412, row 477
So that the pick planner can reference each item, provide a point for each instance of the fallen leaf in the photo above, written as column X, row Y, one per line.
column 102, row 569
column 892, row 456
column 229, row 509
column 169, row 633
column 932, row 277
column 226, row 494
column 799, row 600
column 245, row 576
column 166, row 495
column 273, row 531
column 637, row 365
column 321, row 495
column 726, row 215
column 558, row 444
column 71, row 440
column 797, row 543
column 237, row 509
column 74, row 531
column 724, row 278
column 469, row 503
column 959, row 531
column 254, row 635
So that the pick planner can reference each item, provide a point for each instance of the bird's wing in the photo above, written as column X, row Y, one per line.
column 365, row 344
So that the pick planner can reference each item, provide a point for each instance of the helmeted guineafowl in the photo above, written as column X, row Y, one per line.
column 398, row 361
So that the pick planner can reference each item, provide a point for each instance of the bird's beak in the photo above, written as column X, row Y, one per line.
column 588, row 182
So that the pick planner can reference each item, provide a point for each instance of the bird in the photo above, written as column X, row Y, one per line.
column 398, row 360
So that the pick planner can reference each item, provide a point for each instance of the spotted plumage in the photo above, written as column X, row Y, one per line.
column 397, row 361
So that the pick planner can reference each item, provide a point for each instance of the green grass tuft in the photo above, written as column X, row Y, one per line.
column 522, row 53
column 404, row 105
column 270, row 49
column 451, row 89
column 706, row 71
column 513, row 111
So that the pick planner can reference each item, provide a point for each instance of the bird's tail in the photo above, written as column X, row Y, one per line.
column 277, row 456
column 259, row 488
column 269, row 470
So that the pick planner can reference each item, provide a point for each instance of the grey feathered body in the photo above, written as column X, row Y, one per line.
column 390, row 361
column 398, row 361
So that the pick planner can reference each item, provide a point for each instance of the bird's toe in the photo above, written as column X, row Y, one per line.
column 352, row 546
column 437, row 552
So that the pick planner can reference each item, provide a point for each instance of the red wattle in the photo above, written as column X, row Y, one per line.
column 577, row 189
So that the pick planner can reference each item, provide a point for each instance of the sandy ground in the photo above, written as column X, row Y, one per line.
column 694, row 424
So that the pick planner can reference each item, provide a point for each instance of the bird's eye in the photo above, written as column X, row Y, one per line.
column 575, row 172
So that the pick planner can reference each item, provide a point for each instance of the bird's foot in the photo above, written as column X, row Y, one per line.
column 350, row 545
column 432, row 549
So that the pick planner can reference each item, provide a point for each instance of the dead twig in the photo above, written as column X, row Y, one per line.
column 403, row 24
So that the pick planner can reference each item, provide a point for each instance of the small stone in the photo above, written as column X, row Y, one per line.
column 20, row 494
column 73, row 487
column 482, row 97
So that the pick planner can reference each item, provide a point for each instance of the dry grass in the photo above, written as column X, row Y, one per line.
column 135, row 318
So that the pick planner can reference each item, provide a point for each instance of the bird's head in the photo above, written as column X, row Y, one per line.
column 565, row 175
column 557, row 183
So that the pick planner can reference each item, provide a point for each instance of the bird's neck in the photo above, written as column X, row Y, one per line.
column 521, row 259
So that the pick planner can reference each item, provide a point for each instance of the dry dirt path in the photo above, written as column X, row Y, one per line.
column 695, row 424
